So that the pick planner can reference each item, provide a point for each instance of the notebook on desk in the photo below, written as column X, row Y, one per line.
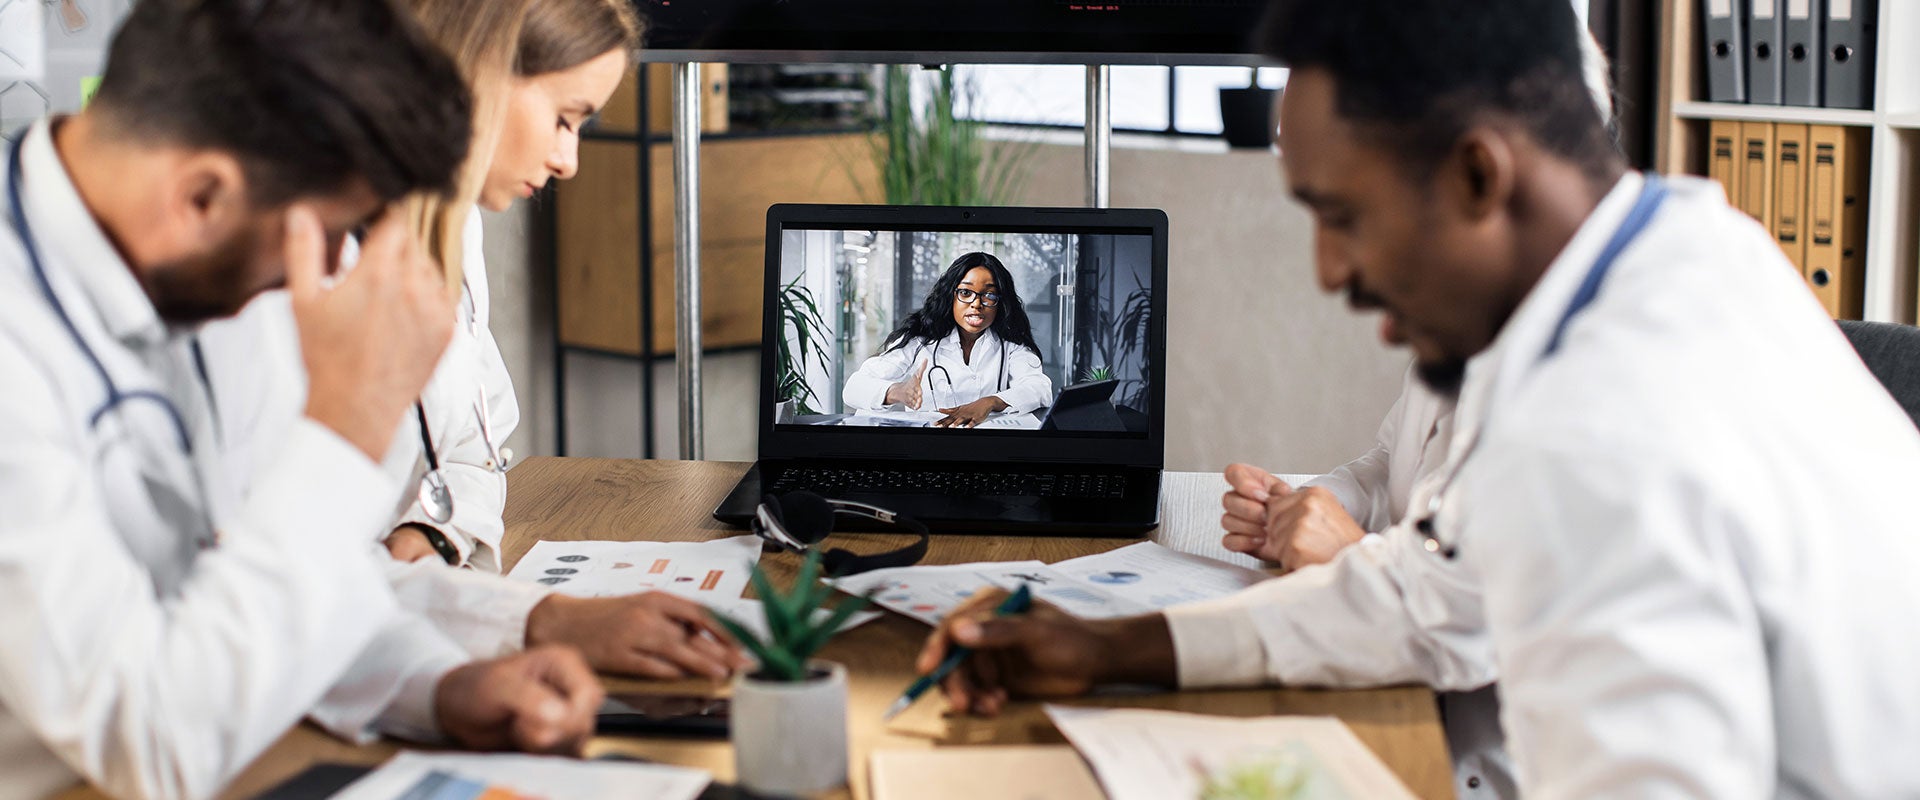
column 1020, row 772
column 1041, row 331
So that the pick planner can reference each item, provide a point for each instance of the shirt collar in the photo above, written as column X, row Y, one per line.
column 1497, row 370
column 987, row 343
column 70, row 240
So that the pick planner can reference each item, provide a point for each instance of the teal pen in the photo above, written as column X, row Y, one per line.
column 1016, row 603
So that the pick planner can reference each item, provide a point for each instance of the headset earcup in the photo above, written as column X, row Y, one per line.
column 806, row 516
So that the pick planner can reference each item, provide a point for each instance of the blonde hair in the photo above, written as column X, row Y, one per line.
column 493, row 42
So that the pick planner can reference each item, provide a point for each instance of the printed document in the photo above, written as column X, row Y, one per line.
column 1131, row 580
column 1140, row 754
column 700, row 571
column 496, row 776
column 887, row 418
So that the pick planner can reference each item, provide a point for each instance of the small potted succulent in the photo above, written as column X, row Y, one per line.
column 789, row 720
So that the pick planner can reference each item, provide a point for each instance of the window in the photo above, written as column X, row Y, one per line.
column 1145, row 99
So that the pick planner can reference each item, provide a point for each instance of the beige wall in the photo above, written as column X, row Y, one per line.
column 1261, row 367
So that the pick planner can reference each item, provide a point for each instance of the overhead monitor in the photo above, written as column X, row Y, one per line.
column 1168, row 32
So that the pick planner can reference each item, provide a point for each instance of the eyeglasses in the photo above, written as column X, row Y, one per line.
column 989, row 299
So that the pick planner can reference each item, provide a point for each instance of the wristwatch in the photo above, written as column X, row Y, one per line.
column 440, row 544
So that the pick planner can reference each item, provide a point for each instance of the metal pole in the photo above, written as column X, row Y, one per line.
column 686, row 254
column 1099, row 135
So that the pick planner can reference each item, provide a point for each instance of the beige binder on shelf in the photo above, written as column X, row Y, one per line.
column 1789, row 221
column 1837, row 217
column 1756, row 170
column 1723, row 163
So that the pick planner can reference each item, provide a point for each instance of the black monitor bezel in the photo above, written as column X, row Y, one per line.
column 795, row 442
column 1109, row 33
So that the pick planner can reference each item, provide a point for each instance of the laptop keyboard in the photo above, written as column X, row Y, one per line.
column 836, row 482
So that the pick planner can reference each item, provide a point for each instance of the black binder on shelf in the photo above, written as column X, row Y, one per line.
column 1766, row 31
column 1847, row 73
column 1725, row 45
column 1801, row 55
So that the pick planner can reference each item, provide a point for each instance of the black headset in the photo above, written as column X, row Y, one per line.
column 796, row 521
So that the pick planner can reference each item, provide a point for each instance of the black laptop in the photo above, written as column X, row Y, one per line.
column 979, row 308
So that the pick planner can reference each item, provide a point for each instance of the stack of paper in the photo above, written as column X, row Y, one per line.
column 1131, row 580
column 466, row 776
column 1152, row 755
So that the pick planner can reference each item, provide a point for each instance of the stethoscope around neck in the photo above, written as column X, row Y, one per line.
column 116, row 397
column 1651, row 194
column 933, row 366
column 435, row 495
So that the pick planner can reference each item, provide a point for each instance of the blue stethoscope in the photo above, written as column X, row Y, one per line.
column 436, row 498
column 1651, row 194
column 116, row 397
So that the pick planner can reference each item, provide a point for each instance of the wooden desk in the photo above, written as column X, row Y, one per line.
column 574, row 499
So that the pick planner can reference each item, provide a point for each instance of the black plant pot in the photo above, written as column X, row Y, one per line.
column 1247, row 115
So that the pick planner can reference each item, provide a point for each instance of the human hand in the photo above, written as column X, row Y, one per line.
column 1272, row 521
column 1245, row 503
column 971, row 414
column 907, row 392
column 1306, row 527
column 540, row 701
column 1044, row 652
column 651, row 635
column 371, row 341
column 409, row 543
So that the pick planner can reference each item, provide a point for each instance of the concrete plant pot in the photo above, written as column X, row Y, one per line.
column 791, row 738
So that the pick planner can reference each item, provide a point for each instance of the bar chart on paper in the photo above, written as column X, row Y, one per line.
column 698, row 570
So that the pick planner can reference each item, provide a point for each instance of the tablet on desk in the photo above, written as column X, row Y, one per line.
column 664, row 715
column 1084, row 407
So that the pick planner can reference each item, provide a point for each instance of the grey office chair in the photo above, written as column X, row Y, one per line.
column 1892, row 353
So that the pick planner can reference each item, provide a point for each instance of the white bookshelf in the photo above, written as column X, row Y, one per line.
column 1893, row 198
column 1742, row 111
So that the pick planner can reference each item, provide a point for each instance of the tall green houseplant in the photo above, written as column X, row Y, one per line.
column 801, row 315
column 934, row 157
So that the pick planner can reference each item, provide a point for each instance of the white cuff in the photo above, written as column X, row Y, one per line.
column 484, row 613
column 390, row 687
column 1215, row 643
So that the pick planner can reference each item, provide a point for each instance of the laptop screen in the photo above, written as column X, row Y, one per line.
column 987, row 333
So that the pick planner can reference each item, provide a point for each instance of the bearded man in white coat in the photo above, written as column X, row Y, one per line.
column 161, row 628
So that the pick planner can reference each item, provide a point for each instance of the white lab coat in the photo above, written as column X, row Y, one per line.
column 1013, row 374
column 1686, row 539
column 471, row 371
column 1375, row 489
column 139, row 649
column 485, row 613
column 1410, row 445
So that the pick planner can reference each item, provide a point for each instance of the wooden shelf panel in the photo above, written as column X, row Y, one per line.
column 1789, row 114
column 598, row 238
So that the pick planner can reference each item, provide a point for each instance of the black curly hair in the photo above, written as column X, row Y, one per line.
column 934, row 320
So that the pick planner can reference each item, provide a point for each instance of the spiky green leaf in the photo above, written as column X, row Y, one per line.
column 823, row 630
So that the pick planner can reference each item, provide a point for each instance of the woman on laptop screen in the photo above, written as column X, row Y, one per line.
column 967, row 353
